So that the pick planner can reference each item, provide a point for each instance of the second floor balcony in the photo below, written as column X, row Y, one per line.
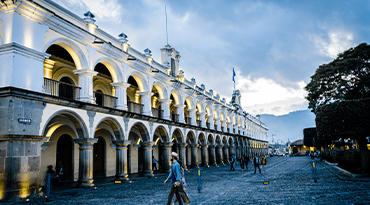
column 61, row 89
column 105, row 100
column 157, row 113
column 135, row 107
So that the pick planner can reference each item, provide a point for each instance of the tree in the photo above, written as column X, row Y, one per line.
column 347, row 77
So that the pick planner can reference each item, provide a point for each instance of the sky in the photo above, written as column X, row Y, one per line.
column 274, row 46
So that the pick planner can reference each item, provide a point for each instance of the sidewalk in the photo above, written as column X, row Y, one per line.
column 70, row 186
column 343, row 174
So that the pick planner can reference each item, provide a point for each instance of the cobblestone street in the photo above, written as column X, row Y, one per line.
column 290, row 182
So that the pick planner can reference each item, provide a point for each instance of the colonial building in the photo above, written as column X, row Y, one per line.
column 73, row 95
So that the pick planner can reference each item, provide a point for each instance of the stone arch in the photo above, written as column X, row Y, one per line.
column 140, row 80
column 112, row 126
column 177, row 96
column 73, row 49
column 62, row 118
column 218, row 140
column 190, row 138
column 162, row 91
column 112, row 67
column 190, row 102
column 211, row 139
column 178, row 134
column 64, row 72
column 224, row 140
column 139, row 131
column 162, row 134
column 202, row 140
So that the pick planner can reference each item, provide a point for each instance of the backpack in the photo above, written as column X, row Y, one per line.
column 258, row 160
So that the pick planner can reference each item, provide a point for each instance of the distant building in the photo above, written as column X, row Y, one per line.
column 73, row 95
column 297, row 147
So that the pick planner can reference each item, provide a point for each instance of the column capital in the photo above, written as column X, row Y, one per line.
column 192, row 109
column 146, row 93
column 165, row 100
column 147, row 144
column 167, row 144
column 180, row 105
column 121, row 84
column 85, row 72
column 202, row 113
column 86, row 141
column 182, row 144
column 122, row 142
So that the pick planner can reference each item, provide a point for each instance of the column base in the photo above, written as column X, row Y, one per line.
column 122, row 178
column 86, row 184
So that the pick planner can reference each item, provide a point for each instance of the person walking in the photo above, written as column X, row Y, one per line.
column 183, row 188
column 256, row 163
column 232, row 163
column 246, row 161
column 175, row 177
column 154, row 163
column 242, row 162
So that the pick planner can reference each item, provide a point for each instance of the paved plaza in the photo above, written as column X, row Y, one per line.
column 290, row 182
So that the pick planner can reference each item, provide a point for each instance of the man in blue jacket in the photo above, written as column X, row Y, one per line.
column 175, row 177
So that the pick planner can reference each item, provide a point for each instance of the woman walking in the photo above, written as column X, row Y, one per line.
column 183, row 189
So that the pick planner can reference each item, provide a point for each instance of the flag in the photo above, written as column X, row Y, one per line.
column 234, row 75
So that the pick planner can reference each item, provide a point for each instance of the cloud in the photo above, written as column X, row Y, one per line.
column 333, row 43
column 262, row 95
column 104, row 10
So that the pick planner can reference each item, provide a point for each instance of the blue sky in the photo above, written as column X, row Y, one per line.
column 274, row 46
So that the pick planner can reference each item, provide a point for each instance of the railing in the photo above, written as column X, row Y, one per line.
column 135, row 107
column 61, row 89
column 157, row 113
column 199, row 122
column 174, row 117
column 105, row 100
column 188, row 120
column 207, row 124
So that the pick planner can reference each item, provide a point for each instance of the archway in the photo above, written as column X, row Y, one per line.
column 139, row 138
column 64, row 157
column 99, row 158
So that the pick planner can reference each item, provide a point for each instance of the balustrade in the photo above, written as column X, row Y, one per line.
column 61, row 89
column 135, row 107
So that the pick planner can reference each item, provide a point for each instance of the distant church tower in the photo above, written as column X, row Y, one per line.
column 235, row 100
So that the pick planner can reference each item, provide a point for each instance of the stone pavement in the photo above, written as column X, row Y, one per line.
column 290, row 182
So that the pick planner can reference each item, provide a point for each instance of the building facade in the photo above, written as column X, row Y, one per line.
column 72, row 95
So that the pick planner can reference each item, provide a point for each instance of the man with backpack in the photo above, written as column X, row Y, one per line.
column 257, row 163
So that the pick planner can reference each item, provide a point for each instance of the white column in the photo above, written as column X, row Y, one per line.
column 210, row 120
column 180, row 112
column 85, row 81
column 165, row 105
column 121, row 88
column 218, row 124
column 192, row 115
column 223, row 124
column 202, row 118
column 230, row 127
column 145, row 100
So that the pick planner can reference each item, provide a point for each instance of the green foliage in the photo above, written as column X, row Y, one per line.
column 347, row 77
column 309, row 136
column 346, row 119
